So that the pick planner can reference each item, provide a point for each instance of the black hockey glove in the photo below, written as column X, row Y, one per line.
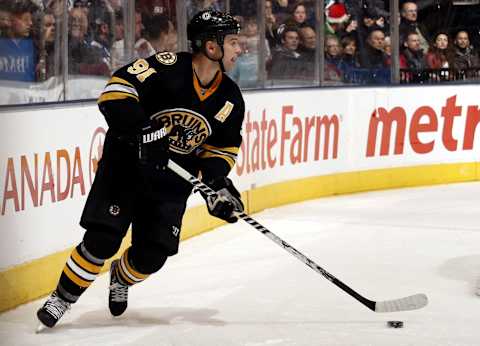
column 153, row 147
column 226, row 201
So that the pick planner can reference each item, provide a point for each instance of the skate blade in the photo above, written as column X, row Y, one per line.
column 40, row 328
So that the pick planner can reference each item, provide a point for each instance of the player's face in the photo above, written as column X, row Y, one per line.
column 231, row 51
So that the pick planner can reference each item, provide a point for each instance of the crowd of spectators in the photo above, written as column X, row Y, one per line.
column 30, row 36
column 357, row 46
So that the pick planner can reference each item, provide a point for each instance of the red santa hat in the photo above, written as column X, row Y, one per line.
column 337, row 13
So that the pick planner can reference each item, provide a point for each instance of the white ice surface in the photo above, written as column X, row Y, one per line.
column 233, row 286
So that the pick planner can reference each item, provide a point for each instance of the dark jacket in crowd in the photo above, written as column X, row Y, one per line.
column 287, row 64
column 372, row 58
column 466, row 58
column 413, row 60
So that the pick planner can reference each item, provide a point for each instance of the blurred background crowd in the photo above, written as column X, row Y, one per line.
column 71, row 46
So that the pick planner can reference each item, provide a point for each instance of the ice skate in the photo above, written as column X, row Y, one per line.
column 51, row 312
column 118, row 295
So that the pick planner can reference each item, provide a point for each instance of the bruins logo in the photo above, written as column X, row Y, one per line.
column 187, row 129
column 166, row 58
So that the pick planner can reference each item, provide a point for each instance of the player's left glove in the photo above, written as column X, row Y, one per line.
column 227, row 200
column 153, row 146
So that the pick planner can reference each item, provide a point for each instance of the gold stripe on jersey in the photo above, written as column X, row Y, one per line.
column 75, row 278
column 117, row 89
column 109, row 96
column 203, row 93
column 117, row 80
column 231, row 151
column 84, row 263
column 229, row 154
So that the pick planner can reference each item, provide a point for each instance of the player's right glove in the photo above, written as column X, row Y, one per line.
column 226, row 202
column 153, row 146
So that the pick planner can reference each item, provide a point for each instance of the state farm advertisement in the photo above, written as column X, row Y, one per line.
column 49, row 156
column 296, row 134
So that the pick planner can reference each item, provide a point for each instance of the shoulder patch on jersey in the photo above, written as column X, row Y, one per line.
column 223, row 113
column 166, row 58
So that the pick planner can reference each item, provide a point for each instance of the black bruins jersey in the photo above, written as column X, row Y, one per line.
column 204, row 124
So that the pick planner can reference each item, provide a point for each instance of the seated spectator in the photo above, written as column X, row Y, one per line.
column 408, row 24
column 286, row 61
column 119, row 26
column 271, row 26
column 4, row 21
column 307, row 48
column 18, row 54
column 46, row 66
column 159, row 36
column 83, row 57
column 250, row 30
column 333, row 60
column 413, row 59
column 245, row 72
column 298, row 17
column 350, row 55
column 465, row 55
column 308, row 43
column 412, row 56
column 373, row 55
column 281, row 10
column 440, row 54
column 119, row 58
column 250, row 26
column 337, row 21
column 102, row 38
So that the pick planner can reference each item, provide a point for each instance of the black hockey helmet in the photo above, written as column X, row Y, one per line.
column 211, row 25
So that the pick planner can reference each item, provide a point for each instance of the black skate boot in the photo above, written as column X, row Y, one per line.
column 118, row 295
column 53, row 309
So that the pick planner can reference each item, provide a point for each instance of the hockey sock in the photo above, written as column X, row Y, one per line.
column 79, row 272
column 125, row 272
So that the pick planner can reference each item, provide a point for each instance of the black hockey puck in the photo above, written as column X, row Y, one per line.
column 395, row 324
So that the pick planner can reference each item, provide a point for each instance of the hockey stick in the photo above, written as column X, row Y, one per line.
column 412, row 302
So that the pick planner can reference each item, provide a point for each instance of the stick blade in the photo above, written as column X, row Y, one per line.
column 417, row 301
column 40, row 328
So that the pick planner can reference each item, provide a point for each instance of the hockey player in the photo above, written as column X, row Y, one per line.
column 168, row 106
